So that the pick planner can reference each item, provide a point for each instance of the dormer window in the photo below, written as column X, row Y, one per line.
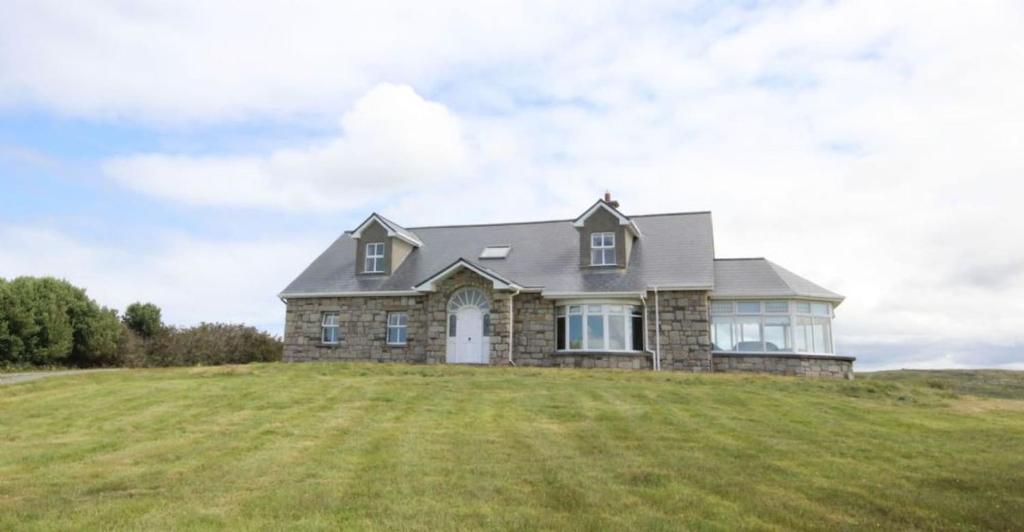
column 374, row 262
column 602, row 249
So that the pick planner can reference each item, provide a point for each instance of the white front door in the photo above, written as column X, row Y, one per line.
column 469, row 344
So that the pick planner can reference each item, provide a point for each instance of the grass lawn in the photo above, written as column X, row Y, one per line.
column 323, row 446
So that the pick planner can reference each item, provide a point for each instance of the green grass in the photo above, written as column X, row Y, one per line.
column 327, row 446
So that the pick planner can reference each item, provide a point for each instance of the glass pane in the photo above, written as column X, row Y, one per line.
column 575, row 309
column 721, row 307
column 330, row 335
column 609, row 256
column 575, row 331
column 596, row 257
column 615, row 309
column 595, row 240
column 560, row 332
column 401, row 335
column 776, row 306
column 402, row 318
column 803, row 308
column 721, row 334
column 617, row 332
column 821, row 336
column 609, row 240
column 748, row 307
column 749, row 334
column 636, row 332
column 487, row 325
column 819, row 309
column 802, row 335
column 776, row 333
column 595, row 331
column 452, row 320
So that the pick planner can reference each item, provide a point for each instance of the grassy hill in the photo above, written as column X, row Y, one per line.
column 322, row 446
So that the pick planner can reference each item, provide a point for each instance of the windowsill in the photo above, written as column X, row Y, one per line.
column 397, row 345
column 630, row 353
column 372, row 273
column 328, row 344
column 782, row 354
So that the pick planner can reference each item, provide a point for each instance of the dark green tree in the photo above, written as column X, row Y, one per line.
column 143, row 318
column 50, row 321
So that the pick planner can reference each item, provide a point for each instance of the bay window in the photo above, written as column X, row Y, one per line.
column 605, row 327
column 772, row 326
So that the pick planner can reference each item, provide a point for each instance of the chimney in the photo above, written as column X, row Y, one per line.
column 608, row 199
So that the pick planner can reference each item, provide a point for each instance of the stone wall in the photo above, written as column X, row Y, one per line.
column 534, row 332
column 834, row 367
column 685, row 338
column 685, row 332
column 363, row 322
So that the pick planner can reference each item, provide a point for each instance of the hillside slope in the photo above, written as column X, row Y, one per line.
column 321, row 446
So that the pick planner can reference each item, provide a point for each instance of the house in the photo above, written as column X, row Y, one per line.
column 602, row 290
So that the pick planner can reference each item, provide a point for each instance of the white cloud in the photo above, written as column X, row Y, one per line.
column 191, row 279
column 392, row 139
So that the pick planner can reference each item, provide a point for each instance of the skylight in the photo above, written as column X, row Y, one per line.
column 495, row 252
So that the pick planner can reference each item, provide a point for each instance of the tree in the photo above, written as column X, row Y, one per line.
column 143, row 318
column 50, row 321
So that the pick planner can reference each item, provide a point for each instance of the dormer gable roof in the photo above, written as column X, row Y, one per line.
column 601, row 204
column 393, row 230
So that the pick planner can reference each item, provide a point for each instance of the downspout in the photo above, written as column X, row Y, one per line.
column 647, row 343
column 511, row 326
column 657, row 331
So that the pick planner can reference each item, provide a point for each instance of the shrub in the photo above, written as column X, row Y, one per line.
column 47, row 321
column 209, row 344
column 143, row 318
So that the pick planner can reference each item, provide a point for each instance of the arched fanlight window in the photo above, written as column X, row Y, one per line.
column 469, row 297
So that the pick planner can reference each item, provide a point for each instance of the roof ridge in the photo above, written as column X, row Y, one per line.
column 529, row 222
column 743, row 258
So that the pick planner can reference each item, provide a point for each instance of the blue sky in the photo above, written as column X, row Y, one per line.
column 199, row 155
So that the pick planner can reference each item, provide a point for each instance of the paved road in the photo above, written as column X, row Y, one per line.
column 14, row 378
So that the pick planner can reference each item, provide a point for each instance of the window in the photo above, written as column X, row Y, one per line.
column 602, row 249
column 374, row 260
column 637, row 328
column 452, row 321
column 495, row 252
column 330, row 331
column 599, row 328
column 770, row 326
column 397, row 322
column 748, row 307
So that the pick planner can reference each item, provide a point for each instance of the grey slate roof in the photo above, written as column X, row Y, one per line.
column 758, row 277
column 677, row 250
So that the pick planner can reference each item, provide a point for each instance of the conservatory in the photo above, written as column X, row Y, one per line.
column 772, row 326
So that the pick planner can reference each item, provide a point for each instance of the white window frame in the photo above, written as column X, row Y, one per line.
column 399, row 322
column 603, row 248
column 374, row 258
column 627, row 312
column 818, row 312
column 324, row 326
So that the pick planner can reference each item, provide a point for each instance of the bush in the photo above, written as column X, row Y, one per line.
column 207, row 344
column 143, row 319
column 47, row 321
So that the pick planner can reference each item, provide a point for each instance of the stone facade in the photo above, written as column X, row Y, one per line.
column 363, row 323
column 685, row 336
column 685, row 330
column 834, row 367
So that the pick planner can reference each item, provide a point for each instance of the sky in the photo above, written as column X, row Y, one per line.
column 199, row 155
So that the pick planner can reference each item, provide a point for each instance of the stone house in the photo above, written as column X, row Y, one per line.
column 603, row 290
